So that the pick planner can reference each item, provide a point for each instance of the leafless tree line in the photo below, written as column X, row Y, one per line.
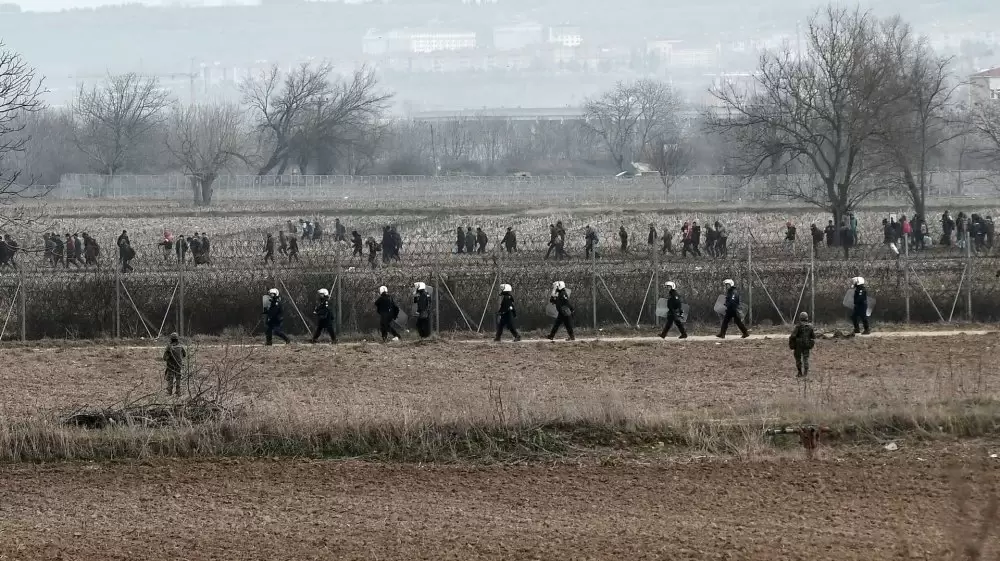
column 866, row 105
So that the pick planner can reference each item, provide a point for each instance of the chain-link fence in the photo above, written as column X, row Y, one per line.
column 613, row 284
column 450, row 191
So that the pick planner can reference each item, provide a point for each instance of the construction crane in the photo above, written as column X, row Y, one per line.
column 191, row 76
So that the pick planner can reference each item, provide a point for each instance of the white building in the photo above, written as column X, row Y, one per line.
column 375, row 42
column 985, row 86
column 565, row 36
column 518, row 36
column 432, row 41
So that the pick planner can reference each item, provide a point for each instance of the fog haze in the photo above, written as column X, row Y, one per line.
column 508, row 53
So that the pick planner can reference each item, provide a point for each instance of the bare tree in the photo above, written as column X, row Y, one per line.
column 20, row 97
column 913, row 133
column 205, row 140
column 305, row 117
column 985, row 125
column 672, row 157
column 821, row 110
column 629, row 116
column 115, row 117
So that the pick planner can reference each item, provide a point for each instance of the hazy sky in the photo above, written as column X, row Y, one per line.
column 56, row 5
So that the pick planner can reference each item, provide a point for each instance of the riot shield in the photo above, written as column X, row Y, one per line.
column 849, row 302
column 551, row 311
column 266, row 302
column 720, row 305
column 662, row 311
column 661, row 308
column 401, row 317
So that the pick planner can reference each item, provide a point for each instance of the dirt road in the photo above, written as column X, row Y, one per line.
column 865, row 505
column 373, row 381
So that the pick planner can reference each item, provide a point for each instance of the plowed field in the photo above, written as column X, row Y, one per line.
column 864, row 505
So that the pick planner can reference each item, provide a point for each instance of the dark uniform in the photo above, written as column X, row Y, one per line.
column 732, row 314
column 324, row 320
column 509, row 240
column 860, row 316
column 564, row 309
column 357, row 243
column 423, row 302
column 269, row 249
column 387, row 313
column 274, row 318
column 506, row 315
column 293, row 249
column 801, row 342
column 174, row 356
column 675, row 315
column 623, row 236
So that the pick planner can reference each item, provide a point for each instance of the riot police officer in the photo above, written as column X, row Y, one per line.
column 859, row 316
column 506, row 313
column 274, row 318
column 732, row 312
column 675, row 315
column 564, row 310
column 324, row 317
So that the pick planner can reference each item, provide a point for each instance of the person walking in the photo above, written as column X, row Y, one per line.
column 675, row 312
column 506, row 313
column 174, row 356
column 387, row 311
column 274, row 317
column 859, row 317
column 324, row 317
column 732, row 310
column 564, row 310
column 801, row 342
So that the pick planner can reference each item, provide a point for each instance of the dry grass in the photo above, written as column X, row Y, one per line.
column 435, row 403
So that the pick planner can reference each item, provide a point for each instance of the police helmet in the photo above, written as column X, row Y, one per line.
column 273, row 292
column 729, row 283
column 504, row 288
column 670, row 285
column 323, row 292
column 383, row 290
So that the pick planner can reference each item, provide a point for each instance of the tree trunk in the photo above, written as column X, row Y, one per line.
column 666, row 186
column 918, row 198
column 207, row 190
column 196, row 189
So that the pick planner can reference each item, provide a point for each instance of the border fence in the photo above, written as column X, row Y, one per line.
column 612, row 287
column 445, row 191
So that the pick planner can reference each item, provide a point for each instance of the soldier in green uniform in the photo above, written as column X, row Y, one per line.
column 801, row 342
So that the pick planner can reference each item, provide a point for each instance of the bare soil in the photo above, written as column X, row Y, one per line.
column 454, row 380
column 865, row 505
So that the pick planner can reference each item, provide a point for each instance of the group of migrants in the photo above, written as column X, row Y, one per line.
column 198, row 244
column 8, row 251
column 69, row 249
column 973, row 232
column 716, row 240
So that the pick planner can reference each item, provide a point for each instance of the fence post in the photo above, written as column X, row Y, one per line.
column 118, row 298
column 812, row 281
column 180, row 298
column 24, row 306
column 437, row 303
column 749, row 279
column 593, row 285
column 656, row 280
column 906, row 274
column 968, row 286
column 340, row 282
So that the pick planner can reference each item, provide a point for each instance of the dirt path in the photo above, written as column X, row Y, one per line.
column 865, row 506
column 447, row 380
